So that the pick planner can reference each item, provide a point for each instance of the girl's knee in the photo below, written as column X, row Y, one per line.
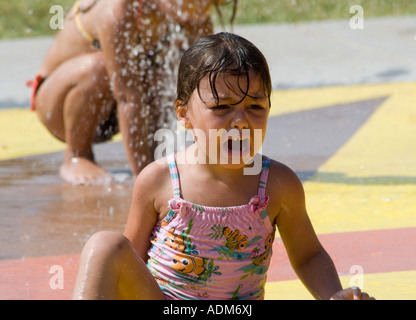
column 107, row 243
column 108, row 238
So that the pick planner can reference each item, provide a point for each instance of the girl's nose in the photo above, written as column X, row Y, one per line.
column 239, row 120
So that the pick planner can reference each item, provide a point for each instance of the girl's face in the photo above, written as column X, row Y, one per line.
column 231, row 131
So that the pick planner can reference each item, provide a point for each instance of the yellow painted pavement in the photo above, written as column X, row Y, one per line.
column 22, row 134
column 382, row 286
column 370, row 183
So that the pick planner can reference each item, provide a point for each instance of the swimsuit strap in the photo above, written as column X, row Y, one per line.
column 87, row 35
column 35, row 84
column 79, row 24
column 177, row 187
column 263, row 177
column 174, row 176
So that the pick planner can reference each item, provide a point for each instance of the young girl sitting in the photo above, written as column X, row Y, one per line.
column 199, row 226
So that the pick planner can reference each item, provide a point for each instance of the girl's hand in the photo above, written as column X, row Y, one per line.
column 351, row 294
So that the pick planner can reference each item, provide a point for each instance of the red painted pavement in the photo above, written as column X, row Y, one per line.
column 376, row 251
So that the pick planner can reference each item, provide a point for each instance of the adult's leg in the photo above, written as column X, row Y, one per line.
column 71, row 103
column 110, row 269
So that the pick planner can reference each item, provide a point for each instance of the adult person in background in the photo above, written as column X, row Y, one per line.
column 112, row 68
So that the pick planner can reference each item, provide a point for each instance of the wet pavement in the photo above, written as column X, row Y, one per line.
column 41, row 215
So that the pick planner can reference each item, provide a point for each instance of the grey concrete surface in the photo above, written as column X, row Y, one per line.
column 331, row 53
column 300, row 55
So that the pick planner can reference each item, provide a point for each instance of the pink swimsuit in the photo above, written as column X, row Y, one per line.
column 201, row 252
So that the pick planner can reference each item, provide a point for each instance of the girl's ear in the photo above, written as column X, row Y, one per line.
column 181, row 114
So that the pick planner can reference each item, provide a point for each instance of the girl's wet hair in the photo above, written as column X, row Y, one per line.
column 220, row 54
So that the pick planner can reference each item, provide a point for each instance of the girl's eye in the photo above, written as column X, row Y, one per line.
column 256, row 107
column 220, row 107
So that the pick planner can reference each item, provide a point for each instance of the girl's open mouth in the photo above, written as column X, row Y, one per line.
column 237, row 145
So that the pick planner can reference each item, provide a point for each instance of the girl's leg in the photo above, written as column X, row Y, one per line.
column 111, row 269
column 71, row 103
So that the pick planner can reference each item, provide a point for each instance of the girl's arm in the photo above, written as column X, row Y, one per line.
column 308, row 258
column 143, row 215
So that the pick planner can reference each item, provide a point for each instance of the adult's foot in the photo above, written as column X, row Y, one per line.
column 82, row 171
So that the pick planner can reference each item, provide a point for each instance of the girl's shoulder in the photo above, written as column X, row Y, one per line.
column 154, row 180
column 155, row 170
column 284, row 189
column 282, row 178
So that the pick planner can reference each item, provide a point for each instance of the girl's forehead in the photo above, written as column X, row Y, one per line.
column 226, row 86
